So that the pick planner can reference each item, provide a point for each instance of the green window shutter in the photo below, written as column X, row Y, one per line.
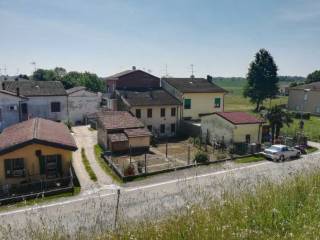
column 217, row 102
column 187, row 103
column 59, row 163
column 42, row 165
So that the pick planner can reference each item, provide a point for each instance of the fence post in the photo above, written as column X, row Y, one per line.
column 145, row 163
column 117, row 209
column 167, row 149
column 188, row 154
column 130, row 153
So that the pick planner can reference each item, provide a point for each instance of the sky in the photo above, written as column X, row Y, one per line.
column 219, row 38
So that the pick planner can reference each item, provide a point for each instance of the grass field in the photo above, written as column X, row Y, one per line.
column 255, row 158
column 234, row 100
column 87, row 166
column 311, row 128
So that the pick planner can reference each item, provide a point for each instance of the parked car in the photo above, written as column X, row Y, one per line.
column 281, row 152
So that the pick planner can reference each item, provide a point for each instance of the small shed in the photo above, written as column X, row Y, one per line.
column 231, row 127
column 118, row 142
column 139, row 138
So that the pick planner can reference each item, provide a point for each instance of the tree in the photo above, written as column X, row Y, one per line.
column 262, row 78
column 277, row 117
column 313, row 77
column 44, row 75
column 60, row 72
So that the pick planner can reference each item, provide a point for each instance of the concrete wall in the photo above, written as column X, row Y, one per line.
column 9, row 117
column 82, row 103
column 31, row 161
column 102, row 135
column 254, row 130
column 202, row 103
column 157, row 120
column 299, row 100
column 40, row 106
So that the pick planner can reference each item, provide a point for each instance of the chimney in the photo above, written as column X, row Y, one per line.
column 210, row 78
column 134, row 68
column 3, row 86
column 18, row 91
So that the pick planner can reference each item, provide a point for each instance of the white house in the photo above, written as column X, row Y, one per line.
column 81, row 103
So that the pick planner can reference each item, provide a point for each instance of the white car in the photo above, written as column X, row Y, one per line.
column 281, row 153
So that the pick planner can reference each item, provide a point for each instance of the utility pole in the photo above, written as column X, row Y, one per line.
column 35, row 65
column 117, row 209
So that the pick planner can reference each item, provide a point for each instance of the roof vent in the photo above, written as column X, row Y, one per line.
column 134, row 68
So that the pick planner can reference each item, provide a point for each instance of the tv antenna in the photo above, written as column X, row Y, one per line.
column 192, row 70
column 35, row 65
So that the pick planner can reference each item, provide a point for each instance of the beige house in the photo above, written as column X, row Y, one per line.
column 157, row 110
column 305, row 98
column 119, row 131
column 231, row 127
column 199, row 95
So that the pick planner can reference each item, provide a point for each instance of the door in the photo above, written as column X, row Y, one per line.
column 24, row 111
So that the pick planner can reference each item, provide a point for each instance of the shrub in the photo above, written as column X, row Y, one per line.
column 140, row 166
column 305, row 116
column 129, row 171
column 201, row 157
column 221, row 156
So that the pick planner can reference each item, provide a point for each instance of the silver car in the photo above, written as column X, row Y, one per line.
column 281, row 153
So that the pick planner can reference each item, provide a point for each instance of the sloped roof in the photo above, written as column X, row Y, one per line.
column 36, row 130
column 12, row 94
column 118, row 120
column 194, row 85
column 36, row 88
column 75, row 89
column 315, row 86
column 239, row 118
column 120, row 74
column 149, row 98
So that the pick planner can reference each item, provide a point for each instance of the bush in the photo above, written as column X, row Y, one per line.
column 201, row 157
column 129, row 171
column 305, row 116
column 221, row 156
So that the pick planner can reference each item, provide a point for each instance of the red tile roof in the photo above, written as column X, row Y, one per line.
column 36, row 130
column 138, row 132
column 240, row 117
column 118, row 120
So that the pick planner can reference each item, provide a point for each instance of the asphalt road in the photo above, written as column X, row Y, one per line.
column 96, row 210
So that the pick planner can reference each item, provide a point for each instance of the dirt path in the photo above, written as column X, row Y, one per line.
column 87, row 139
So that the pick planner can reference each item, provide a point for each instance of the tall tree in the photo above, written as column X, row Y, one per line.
column 262, row 78
column 313, row 77
column 278, row 117
column 44, row 75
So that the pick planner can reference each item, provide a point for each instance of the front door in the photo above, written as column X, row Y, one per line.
column 24, row 111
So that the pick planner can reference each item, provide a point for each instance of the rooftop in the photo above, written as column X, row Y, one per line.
column 118, row 120
column 117, row 137
column 148, row 98
column 75, row 89
column 36, row 88
column 36, row 130
column 315, row 86
column 194, row 85
column 239, row 117
column 138, row 132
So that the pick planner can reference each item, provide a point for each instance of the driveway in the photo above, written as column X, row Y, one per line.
column 87, row 139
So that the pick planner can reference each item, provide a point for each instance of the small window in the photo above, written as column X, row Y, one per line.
column 55, row 107
column 138, row 113
column 173, row 128
column 149, row 128
column 162, row 128
column 163, row 112
column 248, row 138
column 187, row 104
column 217, row 102
column 173, row 112
column 14, row 167
column 149, row 113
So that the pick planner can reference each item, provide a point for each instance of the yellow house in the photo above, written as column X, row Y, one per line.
column 35, row 149
column 199, row 96
column 230, row 127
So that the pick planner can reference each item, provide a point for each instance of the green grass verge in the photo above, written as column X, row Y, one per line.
column 98, row 150
column 286, row 211
column 87, row 166
column 254, row 158
column 46, row 199
column 311, row 149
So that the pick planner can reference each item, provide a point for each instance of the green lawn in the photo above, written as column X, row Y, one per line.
column 311, row 150
column 254, row 158
column 311, row 128
column 98, row 150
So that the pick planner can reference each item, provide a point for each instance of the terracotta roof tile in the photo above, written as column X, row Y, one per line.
column 117, row 137
column 240, row 117
column 118, row 120
column 138, row 132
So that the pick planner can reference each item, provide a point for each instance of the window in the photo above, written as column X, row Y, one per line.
column 187, row 104
column 55, row 107
column 173, row 128
column 138, row 113
column 217, row 102
column 14, row 167
column 149, row 113
column 162, row 128
column 149, row 128
column 51, row 165
column 173, row 112
column 163, row 112
column 13, row 108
